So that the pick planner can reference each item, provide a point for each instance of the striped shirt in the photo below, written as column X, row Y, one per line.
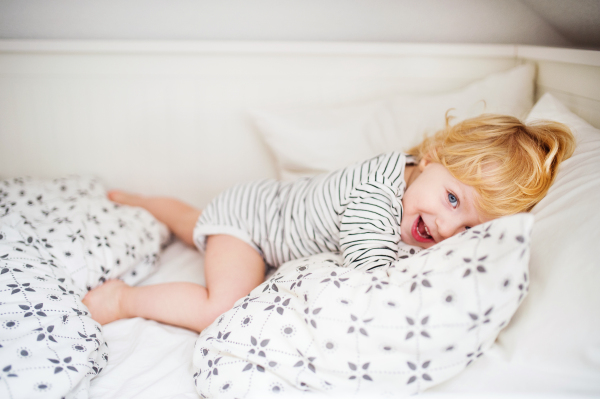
column 355, row 211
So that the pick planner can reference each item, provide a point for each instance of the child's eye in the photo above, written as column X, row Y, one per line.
column 453, row 200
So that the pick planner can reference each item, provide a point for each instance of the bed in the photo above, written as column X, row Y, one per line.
column 189, row 119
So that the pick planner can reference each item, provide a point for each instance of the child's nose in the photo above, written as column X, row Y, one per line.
column 448, row 227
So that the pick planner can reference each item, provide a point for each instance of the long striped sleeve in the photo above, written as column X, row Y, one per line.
column 370, row 226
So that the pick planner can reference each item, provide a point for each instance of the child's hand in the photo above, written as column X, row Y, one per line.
column 104, row 302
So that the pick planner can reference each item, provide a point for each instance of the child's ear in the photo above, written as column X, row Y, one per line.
column 423, row 162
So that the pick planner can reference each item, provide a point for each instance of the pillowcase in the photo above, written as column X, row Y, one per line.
column 311, row 141
column 59, row 238
column 315, row 326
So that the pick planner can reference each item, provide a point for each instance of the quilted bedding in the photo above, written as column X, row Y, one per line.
column 58, row 239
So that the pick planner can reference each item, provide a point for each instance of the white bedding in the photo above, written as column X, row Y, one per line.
column 550, row 349
column 153, row 361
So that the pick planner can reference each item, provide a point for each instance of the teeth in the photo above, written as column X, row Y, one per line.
column 426, row 231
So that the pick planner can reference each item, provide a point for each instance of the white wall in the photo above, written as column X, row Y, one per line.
column 447, row 21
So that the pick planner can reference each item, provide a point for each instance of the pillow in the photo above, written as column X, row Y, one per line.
column 315, row 326
column 310, row 141
column 59, row 238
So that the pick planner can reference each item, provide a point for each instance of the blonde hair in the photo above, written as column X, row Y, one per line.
column 511, row 165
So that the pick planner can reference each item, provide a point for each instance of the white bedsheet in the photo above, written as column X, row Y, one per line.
column 148, row 359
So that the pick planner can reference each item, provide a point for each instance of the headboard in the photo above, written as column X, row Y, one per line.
column 171, row 117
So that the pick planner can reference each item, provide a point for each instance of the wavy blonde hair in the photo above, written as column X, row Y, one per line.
column 511, row 165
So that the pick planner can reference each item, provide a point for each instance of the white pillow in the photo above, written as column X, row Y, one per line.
column 553, row 343
column 310, row 141
column 315, row 326
column 565, row 267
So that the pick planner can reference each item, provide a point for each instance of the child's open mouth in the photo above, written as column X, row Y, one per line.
column 420, row 231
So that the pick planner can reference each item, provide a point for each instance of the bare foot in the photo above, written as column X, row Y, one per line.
column 125, row 198
column 104, row 302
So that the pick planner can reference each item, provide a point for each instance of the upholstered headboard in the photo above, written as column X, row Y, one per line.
column 172, row 117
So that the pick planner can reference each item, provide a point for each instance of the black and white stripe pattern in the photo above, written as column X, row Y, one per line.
column 355, row 211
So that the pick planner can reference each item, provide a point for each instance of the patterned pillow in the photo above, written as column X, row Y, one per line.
column 315, row 326
column 59, row 238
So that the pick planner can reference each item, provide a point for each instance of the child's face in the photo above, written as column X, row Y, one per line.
column 436, row 206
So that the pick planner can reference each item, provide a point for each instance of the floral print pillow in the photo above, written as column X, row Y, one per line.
column 317, row 327
column 59, row 238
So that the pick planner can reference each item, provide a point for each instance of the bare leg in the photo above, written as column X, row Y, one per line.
column 232, row 269
column 179, row 217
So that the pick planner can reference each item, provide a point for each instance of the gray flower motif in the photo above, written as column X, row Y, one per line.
column 474, row 355
column 130, row 250
column 413, row 330
column 89, row 338
column 419, row 370
column 480, row 318
column 486, row 232
column 375, row 283
column 359, row 325
column 523, row 287
column 63, row 289
column 17, row 287
column 279, row 305
column 104, row 270
column 61, row 365
column 272, row 284
column 311, row 313
column 97, row 370
column 102, row 241
column 306, row 362
column 257, row 348
column 364, row 367
column 223, row 336
column 300, row 277
column 45, row 334
column 480, row 268
column 420, row 278
column 92, row 218
column 212, row 367
column 337, row 281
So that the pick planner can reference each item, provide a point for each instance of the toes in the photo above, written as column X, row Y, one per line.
column 115, row 195
column 122, row 197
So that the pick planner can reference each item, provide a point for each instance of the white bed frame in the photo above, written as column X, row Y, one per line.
column 171, row 117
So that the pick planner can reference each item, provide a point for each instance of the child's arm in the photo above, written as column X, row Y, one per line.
column 370, row 227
